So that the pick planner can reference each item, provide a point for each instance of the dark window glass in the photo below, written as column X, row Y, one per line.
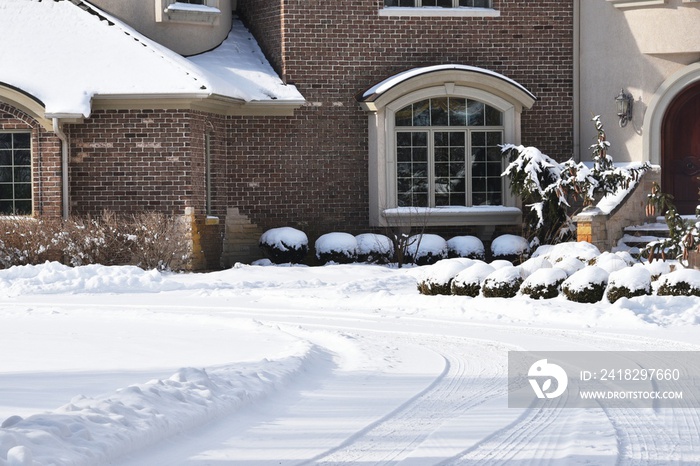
column 15, row 174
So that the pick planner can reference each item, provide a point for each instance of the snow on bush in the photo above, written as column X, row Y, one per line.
column 426, row 249
column 510, row 247
column 502, row 283
column 500, row 263
column 628, row 283
column 682, row 282
column 437, row 278
column 580, row 250
column 339, row 248
column 284, row 245
column 533, row 264
column 609, row 262
column 544, row 283
column 468, row 281
column 587, row 285
column 658, row 268
column 570, row 265
column 374, row 249
column 466, row 246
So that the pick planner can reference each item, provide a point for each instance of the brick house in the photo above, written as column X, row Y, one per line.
column 353, row 117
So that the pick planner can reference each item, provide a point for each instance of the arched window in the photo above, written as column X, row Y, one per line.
column 434, row 137
column 448, row 154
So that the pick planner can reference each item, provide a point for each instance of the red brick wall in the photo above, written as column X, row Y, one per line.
column 131, row 161
column 265, row 20
column 46, row 160
column 312, row 168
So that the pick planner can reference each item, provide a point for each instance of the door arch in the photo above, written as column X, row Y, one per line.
column 680, row 149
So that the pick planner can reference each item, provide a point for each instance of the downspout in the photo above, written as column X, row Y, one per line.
column 64, row 166
column 577, row 80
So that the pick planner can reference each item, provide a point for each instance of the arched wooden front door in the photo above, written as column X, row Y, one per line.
column 681, row 150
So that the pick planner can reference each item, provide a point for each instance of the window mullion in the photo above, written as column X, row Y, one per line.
column 431, row 168
column 468, row 167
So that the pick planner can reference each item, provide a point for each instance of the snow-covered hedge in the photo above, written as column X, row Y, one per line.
column 512, row 248
column 587, row 285
column 426, row 249
column 466, row 246
column 544, row 283
column 284, row 245
column 374, row 248
column 683, row 282
column 437, row 279
column 502, row 283
column 339, row 248
column 628, row 283
column 468, row 281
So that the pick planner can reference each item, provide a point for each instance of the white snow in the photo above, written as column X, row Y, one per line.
column 583, row 278
column 556, row 252
column 76, row 56
column 689, row 276
column 506, row 245
column 284, row 238
column 314, row 365
column 426, row 244
column 533, row 264
column 545, row 277
column 610, row 262
column 397, row 79
column 633, row 278
column 464, row 246
column 474, row 274
column 336, row 242
column 368, row 243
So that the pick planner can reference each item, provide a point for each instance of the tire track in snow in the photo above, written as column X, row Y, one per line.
column 461, row 386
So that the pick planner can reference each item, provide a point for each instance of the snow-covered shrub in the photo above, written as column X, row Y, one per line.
column 532, row 265
column 658, row 268
column 682, row 282
column 512, row 248
column 466, row 246
column 500, row 263
column 609, row 262
column 340, row 248
column 570, row 265
column 547, row 187
column 628, row 283
column 426, row 249
column 627, row 257
column 437, row 278
column 502, row 283
column 587, row 285
column 468, row 281
column 544, row 283
column 284, row 245
column 374, row 248
column 581, row 250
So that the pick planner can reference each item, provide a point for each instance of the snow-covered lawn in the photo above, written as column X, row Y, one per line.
column 341, row 364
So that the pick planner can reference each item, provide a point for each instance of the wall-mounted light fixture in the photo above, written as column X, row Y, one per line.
column 624, row 102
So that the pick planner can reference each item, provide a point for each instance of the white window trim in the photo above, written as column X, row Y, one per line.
column 382, row 101
column 207, row 14
column 638, row 3
column 438, row 11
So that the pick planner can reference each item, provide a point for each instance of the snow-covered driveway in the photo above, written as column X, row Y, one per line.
column 330, row 365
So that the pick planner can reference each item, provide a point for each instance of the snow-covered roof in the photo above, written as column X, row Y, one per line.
column 64, row 55
column 383, row 86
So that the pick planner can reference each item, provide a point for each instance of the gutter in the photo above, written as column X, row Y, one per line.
column 64, row 166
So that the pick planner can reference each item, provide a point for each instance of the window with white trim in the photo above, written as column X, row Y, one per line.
column 188, row 11
column 15, row 173
column 438, row 3
column 448, row 154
